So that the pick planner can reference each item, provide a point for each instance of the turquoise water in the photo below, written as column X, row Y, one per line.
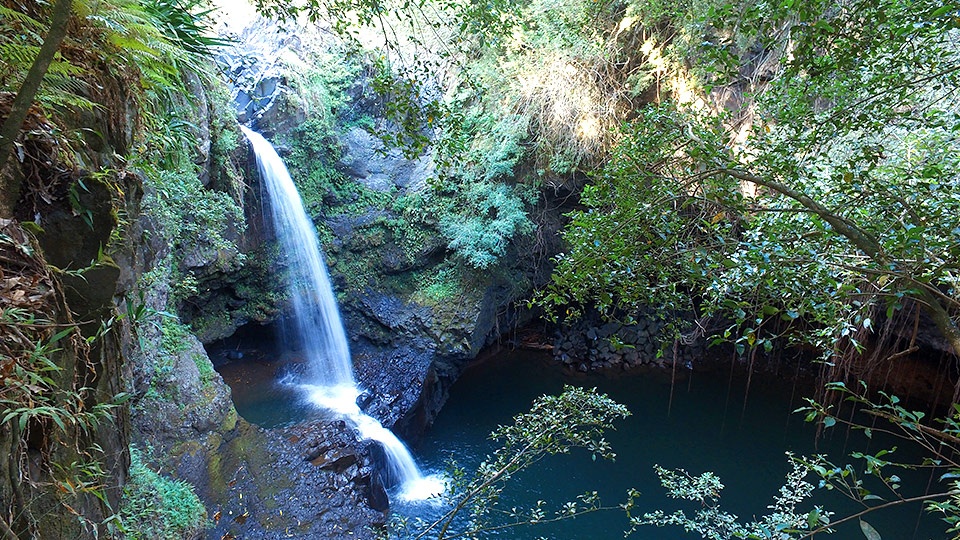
column 704, row 427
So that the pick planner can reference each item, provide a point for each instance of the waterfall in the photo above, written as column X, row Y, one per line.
column 329, row 381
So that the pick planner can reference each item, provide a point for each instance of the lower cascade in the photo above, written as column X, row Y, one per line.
column 329, row 381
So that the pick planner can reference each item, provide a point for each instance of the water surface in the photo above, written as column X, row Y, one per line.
column 705, row 426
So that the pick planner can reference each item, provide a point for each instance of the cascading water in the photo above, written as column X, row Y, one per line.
column 329, row 381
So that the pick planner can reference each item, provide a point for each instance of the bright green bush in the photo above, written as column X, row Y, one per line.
column 492, row 215
column 157, row 508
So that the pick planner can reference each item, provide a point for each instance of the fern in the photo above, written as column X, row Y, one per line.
column 29, row 24
column 65, row 91
column 17, row 55
column 156, row 40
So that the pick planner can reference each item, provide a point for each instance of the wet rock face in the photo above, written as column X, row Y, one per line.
column 591, row 344
column 394, row 379
column 313, row 480
column 334, row 448
column 366, row 159
column 406, row 356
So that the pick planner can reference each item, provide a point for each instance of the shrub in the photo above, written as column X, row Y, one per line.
column 158, row 508
column 493, row 215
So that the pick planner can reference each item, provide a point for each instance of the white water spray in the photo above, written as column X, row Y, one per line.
column 329, row 381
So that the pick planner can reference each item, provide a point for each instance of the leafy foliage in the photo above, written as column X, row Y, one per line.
column 156, row 507
column 157, row 38
column 192, row 217
column 642, row 226
column 575, row 419
column 20, row 44
column 872, row 480
column 839, row 200
column 50, row 406
column 183, row 22
column 499, row 116
column 494, row 215
column 711, row 522
column 130, row 63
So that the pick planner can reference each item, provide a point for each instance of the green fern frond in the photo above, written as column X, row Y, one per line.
column 144, row 30
column 56, row 98
column 62, row 67
column 30, row 24
column 16, row 59
column 174, row 52
column 134, row 46
column 107, row 23
column 17, row 54
column 66, row 84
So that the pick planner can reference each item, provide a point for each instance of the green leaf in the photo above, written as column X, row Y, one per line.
column 942, row 10
column 869, row 531
column 59, row 421
column 813, row 518
column 829, row 421
column 61, row 334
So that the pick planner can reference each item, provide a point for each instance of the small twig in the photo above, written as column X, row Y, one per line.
column 8, row 533
column 901, row 354
column 879, row 507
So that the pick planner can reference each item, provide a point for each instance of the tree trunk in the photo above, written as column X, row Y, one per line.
column 941, row 318
column 10, row 183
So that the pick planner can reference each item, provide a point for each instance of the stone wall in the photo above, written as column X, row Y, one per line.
column 591, row 344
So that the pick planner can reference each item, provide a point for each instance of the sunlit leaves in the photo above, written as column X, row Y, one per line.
column 854, row 147
column 709, row 521
column 575, row 419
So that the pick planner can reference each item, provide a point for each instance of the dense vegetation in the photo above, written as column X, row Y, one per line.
column 760, row 173
column 787, row 169
column 108, row 117
column 764, row 174
column 826, row 198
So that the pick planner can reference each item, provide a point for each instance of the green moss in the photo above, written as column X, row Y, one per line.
column 205, row 368
column 358, row 270
column 438, row 285
column 175, row 336
column 157, row 508
column 230, row 421
column 224, row 141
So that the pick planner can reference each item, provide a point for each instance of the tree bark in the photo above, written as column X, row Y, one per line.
column 10, row 183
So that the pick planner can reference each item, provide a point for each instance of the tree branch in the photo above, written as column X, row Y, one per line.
column 865, row 242
column 874, row 508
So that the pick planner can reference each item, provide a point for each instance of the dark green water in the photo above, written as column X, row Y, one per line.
column 706, row 428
